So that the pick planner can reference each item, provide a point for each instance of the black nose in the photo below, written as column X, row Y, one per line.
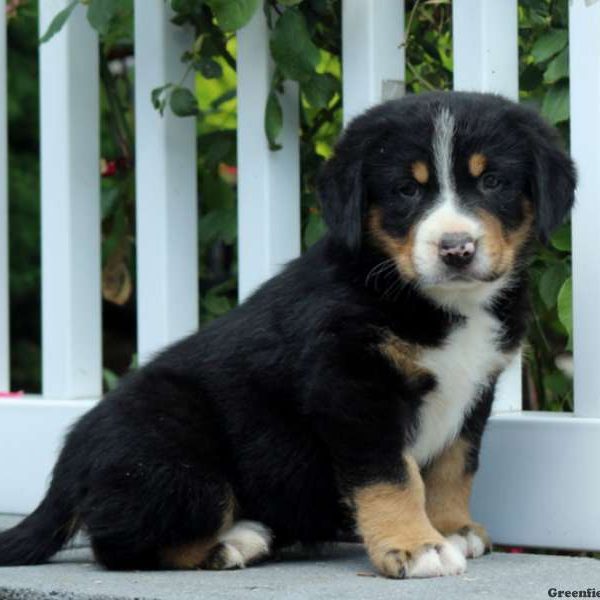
column 457, row 249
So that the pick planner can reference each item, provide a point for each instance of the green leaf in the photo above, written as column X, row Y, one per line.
column 555, row 106
column 183, row 103
column 565, row 305
column 315, row 228
column 549, row 44
column 292, row 47
column 209, row 68
column 184, row 6
column 558, row 68
column 111, row 379
column 561, row 239
column 557, row 382
column 108, row 200
column 59, row 21
column 218, row 146
column 231, row 15
column 530, row 78
column 320, row 89
column 216, row 305
column 289, row 2
column 157, row 97
column 273, row 120
column 100, row 13
column 551, row 282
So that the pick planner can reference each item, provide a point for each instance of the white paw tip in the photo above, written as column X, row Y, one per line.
column 459, row 542
column 426, row 564
column 444, row 559
column 233, row 558
column 476, row 545
column 251, row 540
column 470, row 544
column 453, row 560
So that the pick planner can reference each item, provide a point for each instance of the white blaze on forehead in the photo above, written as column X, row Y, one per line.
column 443, row 142
column 445, row 216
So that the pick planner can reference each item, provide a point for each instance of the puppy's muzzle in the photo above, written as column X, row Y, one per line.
column 457, row 250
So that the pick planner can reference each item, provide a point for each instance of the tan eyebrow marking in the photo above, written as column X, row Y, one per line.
column 477, row 164
column 420, row 171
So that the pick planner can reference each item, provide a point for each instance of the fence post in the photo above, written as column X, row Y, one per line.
column 4, row 302
column 373, row 53
column 584, row 51
column 70, row 199
column 486, row 59
column 166, row 187
column 485, row 43
column 269, row 181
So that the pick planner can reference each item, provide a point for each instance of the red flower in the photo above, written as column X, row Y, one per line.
column 108, row 168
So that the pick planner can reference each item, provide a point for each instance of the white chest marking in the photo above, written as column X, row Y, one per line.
column 461, row 366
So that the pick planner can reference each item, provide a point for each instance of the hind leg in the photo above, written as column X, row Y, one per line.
column 185, row 522
column 153, row 516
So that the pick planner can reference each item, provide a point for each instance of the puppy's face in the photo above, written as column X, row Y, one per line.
column 450, row 186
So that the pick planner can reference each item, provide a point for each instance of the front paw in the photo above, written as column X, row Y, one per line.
column 426, row 560
column 471, row 540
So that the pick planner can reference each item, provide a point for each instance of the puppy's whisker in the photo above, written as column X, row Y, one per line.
column 379, row 269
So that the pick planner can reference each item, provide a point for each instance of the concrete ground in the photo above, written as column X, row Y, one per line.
column 342, row 572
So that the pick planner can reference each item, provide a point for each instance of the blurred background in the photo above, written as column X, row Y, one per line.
column 305, row 45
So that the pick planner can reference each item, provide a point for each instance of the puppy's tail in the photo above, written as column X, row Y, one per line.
column 45, row 531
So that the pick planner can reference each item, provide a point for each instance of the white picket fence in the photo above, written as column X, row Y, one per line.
column 537, row 485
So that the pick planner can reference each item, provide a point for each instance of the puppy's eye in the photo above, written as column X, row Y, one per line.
column 490, row 182
column 408, row 189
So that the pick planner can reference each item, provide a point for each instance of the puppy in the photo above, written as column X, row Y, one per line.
column 349, row 392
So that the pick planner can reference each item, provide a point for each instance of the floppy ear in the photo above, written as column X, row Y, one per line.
column 553, row 178
column 341, row 190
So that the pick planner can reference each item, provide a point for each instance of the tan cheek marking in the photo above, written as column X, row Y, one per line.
column 477, row 164
column 401, row 250
column 403, row 356
column 503, row 247
column 420, row 171
column 392, row 521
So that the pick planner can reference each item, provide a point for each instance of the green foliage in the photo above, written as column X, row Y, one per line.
column 232, row 15
column 305, row 46
column 182, row 102
column 292, row 48
column 59, row 21
column 100, row 14
column 273, row 120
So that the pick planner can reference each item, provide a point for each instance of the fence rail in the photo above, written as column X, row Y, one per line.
column 528, row 491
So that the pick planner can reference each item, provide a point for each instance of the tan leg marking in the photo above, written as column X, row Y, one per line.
column 400, row 540
column 188, row 556
column 448, row 490
column 193, row 554
column 401, row 250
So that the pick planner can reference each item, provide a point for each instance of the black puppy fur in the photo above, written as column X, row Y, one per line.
column 279, row 411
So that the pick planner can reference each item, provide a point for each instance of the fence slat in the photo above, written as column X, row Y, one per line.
column 485, row 44
column 166, row 187
column 4, row 305
column 486, row 59
column 269, row 182
column 373, row 53
column 584, row 50
column 70, row 198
